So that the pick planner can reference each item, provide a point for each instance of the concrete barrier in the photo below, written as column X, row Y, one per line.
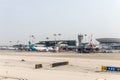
column 59, row 64
column 38, row 66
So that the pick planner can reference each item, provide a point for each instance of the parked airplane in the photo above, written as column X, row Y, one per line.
column 39, row 48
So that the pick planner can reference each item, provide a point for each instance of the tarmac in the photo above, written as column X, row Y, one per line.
column 16, row 65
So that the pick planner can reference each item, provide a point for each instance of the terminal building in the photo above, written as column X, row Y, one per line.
column 109, row 43
column 63, row 44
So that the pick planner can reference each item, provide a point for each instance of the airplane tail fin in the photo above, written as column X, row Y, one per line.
column 31, row 46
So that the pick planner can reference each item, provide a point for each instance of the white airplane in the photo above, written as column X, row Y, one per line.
column 39, row 48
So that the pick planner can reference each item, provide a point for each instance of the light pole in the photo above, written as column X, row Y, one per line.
column 10, row 43
column 57, row 46
column 32, row 37
column 55, row 38
column 85, row 38
column 59, row 36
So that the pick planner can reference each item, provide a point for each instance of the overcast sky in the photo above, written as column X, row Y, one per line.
column 42, row 18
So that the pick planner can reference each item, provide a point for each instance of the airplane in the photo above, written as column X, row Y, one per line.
column 32, row 47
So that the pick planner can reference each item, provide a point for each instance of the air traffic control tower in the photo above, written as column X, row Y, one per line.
column 80, row 38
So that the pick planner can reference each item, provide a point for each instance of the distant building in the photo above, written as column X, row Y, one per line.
column 64, row 44
column 109, row 43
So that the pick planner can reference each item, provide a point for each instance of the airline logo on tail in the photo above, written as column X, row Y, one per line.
column 31, row 46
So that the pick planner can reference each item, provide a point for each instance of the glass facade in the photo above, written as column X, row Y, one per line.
column 53, row 43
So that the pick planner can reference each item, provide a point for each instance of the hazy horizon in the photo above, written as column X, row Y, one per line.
column 43, row 18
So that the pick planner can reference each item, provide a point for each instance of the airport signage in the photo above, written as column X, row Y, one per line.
column 110, row 68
